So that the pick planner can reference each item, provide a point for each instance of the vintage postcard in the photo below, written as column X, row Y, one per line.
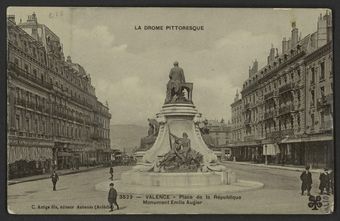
column 170, row 110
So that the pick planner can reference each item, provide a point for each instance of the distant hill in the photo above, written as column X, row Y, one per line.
column 127, row 136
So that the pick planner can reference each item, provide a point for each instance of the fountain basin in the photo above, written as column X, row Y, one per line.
column 178, row 179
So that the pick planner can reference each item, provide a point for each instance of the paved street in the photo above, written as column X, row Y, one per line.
column 281, row 194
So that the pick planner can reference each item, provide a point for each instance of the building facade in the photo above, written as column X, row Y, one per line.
column 287, row 104
column 54, row 117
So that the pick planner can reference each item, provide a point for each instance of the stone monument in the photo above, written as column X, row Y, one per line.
column 179, row 158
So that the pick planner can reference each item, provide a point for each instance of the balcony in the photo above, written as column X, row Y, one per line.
column 31, row 105
column 246, row 106
column 247, row 121
column 286, row 109
column 287, row 132
column 277, row 135
column 39, row 108
column 249, row 138
column 21, row 102
column 273, row 135
column 269, row 95
column 287, row 87
column 325, row 101
column 326, row 126
column 23, row 74
column 269, row 114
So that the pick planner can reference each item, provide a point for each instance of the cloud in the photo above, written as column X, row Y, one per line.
column 130, row 69
column 134, row 84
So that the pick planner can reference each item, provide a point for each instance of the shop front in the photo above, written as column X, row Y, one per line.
column 246, row 151
column 28, row 160
column 317, row 151
column 320, row 153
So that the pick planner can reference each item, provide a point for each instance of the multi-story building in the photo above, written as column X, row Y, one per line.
column 217, row 135
column 219, row 132
column 281, row 118
column 54, row 116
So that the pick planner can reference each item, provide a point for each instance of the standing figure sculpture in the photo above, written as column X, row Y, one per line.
column 174, row 85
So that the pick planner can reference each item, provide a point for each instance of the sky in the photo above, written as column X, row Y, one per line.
column 129, row 68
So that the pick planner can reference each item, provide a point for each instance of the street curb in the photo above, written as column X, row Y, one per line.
column 272, row 166
column 9, row 182
column 237, row 187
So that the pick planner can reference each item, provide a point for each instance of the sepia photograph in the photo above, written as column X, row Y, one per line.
column 131, row 110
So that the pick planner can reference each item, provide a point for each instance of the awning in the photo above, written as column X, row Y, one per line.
column 64, row 154
column 15, row 153
column 308, row 139
column 245, row 144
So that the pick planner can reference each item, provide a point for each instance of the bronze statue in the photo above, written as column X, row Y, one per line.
column 148, row 141
column 181, row 157
column 174, row 89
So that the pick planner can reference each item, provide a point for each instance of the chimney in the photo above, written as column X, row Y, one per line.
column 284, row 45
column 255, row 66
column 271, row 56
column 68, row 59
column 11, row 18
column 295, row 35
column 32, row 18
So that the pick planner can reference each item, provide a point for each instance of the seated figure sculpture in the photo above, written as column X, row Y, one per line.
column 181, row 157
column 148, row 141
column 177, row 88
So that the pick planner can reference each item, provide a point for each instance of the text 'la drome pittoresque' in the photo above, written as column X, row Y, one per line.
column 169, row 28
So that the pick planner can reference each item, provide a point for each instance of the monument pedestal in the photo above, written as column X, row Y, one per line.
column 178, row 118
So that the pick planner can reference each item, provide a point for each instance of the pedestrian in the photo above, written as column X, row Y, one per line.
column 112, row 197
column 306, row 178
column 54, row 178
column 111, row 172
column 324, row 181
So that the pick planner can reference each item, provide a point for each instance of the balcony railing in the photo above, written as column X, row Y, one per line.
column 273, row 135
column 247, row 121
column 326, row 125
column 287, row 132
column 25, row 75
column 249, row 138
column 269, row 114
column 325, row 101
column 286, row 109
column 287, row 87
column 246, row 106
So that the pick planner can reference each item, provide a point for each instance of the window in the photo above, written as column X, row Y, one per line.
column 26, row 68
column 34, row 52
column 312, row 75
column 292, row 76
column 27, row 124
column 312, row 121
column 43, row 126
column 16, row 62
column 28, row 96
column 298, row 73
column 17, row 122
column 322, row 91
column 322, row 120
column 36, row 100
column 35, row 73
column 312, row 97
column 322, row 71
column 36, row 126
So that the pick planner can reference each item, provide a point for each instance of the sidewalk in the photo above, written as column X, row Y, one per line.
column 48, row 175
column 286, row 167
